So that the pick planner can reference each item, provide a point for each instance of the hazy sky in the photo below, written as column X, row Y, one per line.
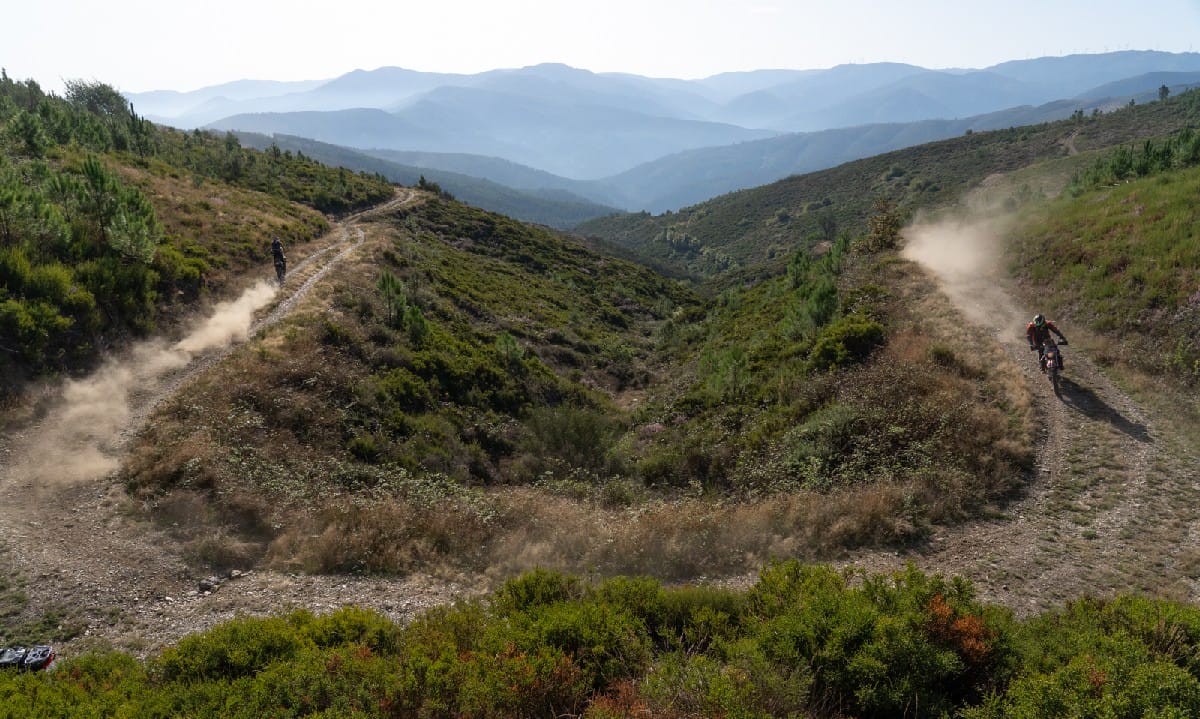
column 139, row 45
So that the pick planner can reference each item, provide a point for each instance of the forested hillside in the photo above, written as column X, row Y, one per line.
column 743, row 229
column 108, row 221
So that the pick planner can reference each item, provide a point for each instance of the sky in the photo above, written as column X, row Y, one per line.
column 140, row 45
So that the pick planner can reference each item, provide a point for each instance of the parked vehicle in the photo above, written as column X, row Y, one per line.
column 29, row 659
column 12, row 657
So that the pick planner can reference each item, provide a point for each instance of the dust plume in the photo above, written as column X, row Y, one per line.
column 966, row 255
column 82, row 436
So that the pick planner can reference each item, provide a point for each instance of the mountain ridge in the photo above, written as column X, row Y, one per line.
column 615, row 135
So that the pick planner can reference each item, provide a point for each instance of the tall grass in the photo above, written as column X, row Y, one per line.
column 1123, row 262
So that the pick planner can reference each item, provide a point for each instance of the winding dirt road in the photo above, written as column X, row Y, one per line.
column 1114, row 504
column 88, row 559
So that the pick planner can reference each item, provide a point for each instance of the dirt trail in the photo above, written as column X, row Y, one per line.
column 1114, row 503
column 68, row 530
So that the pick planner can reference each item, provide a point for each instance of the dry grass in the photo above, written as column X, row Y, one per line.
column 251, row 463
column 228, row 226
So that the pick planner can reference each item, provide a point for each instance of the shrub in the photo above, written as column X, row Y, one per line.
column 847, row 341
column 536, row 589
column 235, row 649
column 364, row 448
column 354, row 626
column 892, row 646
column 606, row 642
column 576, row 437
column 402, row 389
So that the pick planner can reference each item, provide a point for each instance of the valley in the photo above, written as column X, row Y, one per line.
column 1109, row 505
column 672, row 443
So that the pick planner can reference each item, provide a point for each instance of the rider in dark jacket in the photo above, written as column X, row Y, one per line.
column 1037, row 332
column 280, row 260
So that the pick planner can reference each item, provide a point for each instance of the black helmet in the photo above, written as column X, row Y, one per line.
column 1039, row 320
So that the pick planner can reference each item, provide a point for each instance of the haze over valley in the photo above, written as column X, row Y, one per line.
column 637, row 143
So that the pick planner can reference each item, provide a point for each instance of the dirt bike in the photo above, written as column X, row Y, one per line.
column 1052, row 362
column 280, row 268
column 27, row 660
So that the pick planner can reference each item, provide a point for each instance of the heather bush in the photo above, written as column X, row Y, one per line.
column 803, row 641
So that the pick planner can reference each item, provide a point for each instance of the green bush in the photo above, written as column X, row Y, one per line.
column 847, row 341
column 897, row 645
column 803, row 641
column 1129, row 657
column 238, row 648
column 534, row 590
column 402, row 389
column 572, row 437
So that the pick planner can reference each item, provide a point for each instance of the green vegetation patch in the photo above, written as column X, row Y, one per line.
column 803, row 641
column 108, row 222
column 1124, row 261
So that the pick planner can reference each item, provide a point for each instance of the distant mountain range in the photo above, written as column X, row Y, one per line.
column 641, row 143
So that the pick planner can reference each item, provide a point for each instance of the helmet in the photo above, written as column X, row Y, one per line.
column 1039, row 320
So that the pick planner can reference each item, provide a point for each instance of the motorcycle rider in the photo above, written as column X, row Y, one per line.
column 1037, row 332
column 280, row 259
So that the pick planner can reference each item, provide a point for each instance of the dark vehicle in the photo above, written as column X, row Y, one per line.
column 30, row 660
column 1052, row 363
column 12, row 657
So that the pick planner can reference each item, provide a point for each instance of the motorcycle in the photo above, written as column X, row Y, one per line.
column 24, row 659
column 1052, row 362
column 280, row 268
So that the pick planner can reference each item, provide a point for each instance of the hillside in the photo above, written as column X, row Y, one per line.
column 744, row 229
column 694, row 176
column 1128, row 273
column 542, row 205
column 580, row 141
column 656, row 144
column 111, row 226
column 497, row 357
column 440, row 398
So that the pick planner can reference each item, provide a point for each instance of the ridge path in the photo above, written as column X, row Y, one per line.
column 82, row 551
column 1113, row 505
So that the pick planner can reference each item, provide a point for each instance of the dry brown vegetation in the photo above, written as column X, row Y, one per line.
column 227, row 227
column 257, row 462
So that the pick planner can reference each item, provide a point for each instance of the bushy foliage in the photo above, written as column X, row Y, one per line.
column 87, row 258
column 1179, row 150
column 78, row 260
column 898, row 645
column 848, row 341
column 803, row 641
column 1129, row 657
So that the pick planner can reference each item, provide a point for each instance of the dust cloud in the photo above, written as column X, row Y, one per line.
column 966, row 255
column 81, row 437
